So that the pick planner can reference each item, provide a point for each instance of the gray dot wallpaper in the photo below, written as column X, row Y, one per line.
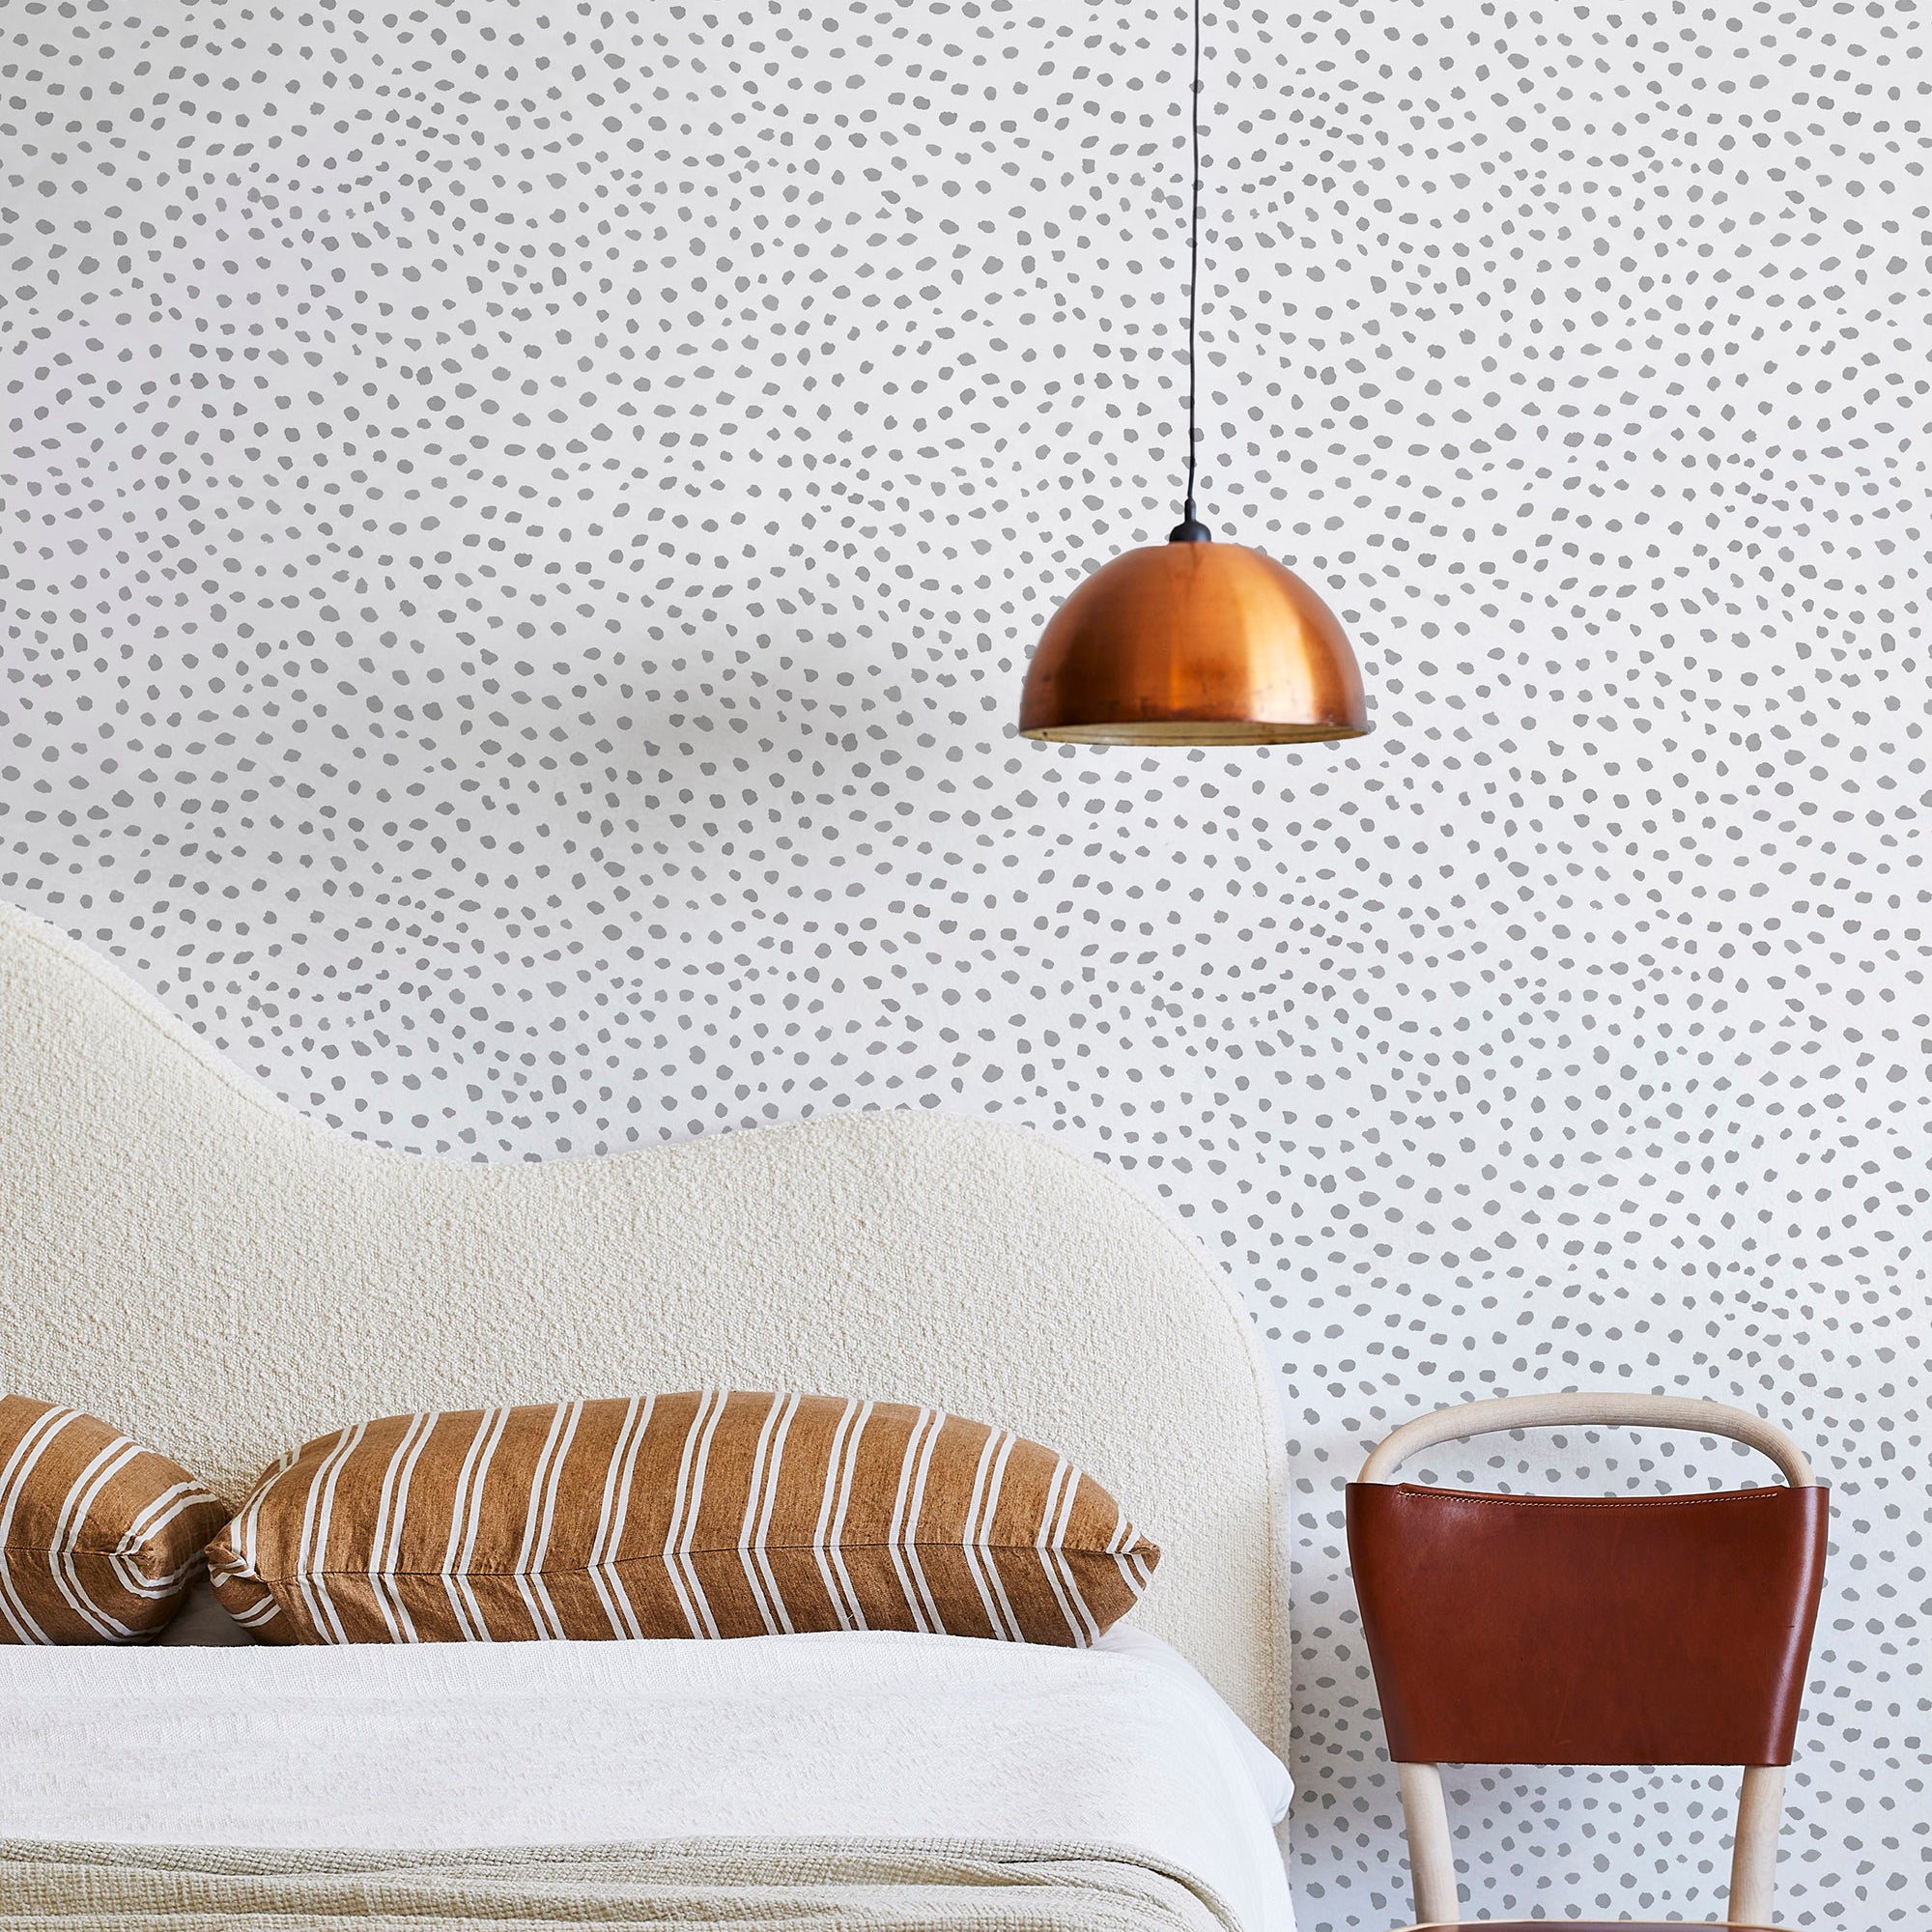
column 520, row 531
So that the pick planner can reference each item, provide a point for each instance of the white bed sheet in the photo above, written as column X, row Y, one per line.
column 875, row 1735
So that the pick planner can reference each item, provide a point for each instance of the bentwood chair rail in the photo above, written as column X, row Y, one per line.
column 1585, row 1629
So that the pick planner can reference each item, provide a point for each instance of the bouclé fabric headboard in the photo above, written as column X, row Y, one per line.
column 221, row 1278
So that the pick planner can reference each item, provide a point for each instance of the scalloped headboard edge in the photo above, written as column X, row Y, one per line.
column 221, row 1277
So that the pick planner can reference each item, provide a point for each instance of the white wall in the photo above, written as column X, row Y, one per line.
column 521, row 529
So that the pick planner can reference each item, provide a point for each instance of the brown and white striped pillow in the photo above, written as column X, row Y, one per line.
column 699, row 1515
column 99, row 1539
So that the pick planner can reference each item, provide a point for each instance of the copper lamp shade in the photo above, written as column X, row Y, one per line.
column 1193, row 642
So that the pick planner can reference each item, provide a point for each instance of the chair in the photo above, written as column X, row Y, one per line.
column 1585, row 1629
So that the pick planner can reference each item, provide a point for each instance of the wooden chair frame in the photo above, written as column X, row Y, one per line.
column 1431, row 1857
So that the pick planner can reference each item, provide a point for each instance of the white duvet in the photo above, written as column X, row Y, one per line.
column 859, row 1736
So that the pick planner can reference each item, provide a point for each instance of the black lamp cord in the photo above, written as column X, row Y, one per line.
column 1189, row 530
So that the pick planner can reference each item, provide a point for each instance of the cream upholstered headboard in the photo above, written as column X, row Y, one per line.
column 221, row 1278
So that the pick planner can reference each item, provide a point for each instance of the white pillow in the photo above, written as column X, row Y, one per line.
column 1270, row 1775
column 203, row 1624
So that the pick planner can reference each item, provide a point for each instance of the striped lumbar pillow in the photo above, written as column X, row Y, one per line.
column 99, row 1539
column 699, row 1514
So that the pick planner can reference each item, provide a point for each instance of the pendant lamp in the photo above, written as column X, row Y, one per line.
column 1193, row 641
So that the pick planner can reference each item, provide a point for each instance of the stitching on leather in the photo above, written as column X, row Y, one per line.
column 1586, row 1502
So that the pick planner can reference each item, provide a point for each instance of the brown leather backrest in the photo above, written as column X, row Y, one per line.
column 1583, row 1630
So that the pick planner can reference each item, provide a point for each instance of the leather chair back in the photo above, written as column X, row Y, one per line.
column 1560, row 1629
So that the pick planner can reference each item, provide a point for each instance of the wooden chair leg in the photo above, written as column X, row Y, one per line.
column 1754, row 1849
column 1432, row 1861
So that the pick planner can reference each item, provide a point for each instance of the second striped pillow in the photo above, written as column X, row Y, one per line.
column 709, row 1513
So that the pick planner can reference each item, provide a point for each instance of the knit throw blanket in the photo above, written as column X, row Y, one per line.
column 749, row 1885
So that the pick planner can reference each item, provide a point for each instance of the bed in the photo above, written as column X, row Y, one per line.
column 224, row 1278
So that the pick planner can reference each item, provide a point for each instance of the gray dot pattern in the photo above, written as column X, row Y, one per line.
column 520, row 531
